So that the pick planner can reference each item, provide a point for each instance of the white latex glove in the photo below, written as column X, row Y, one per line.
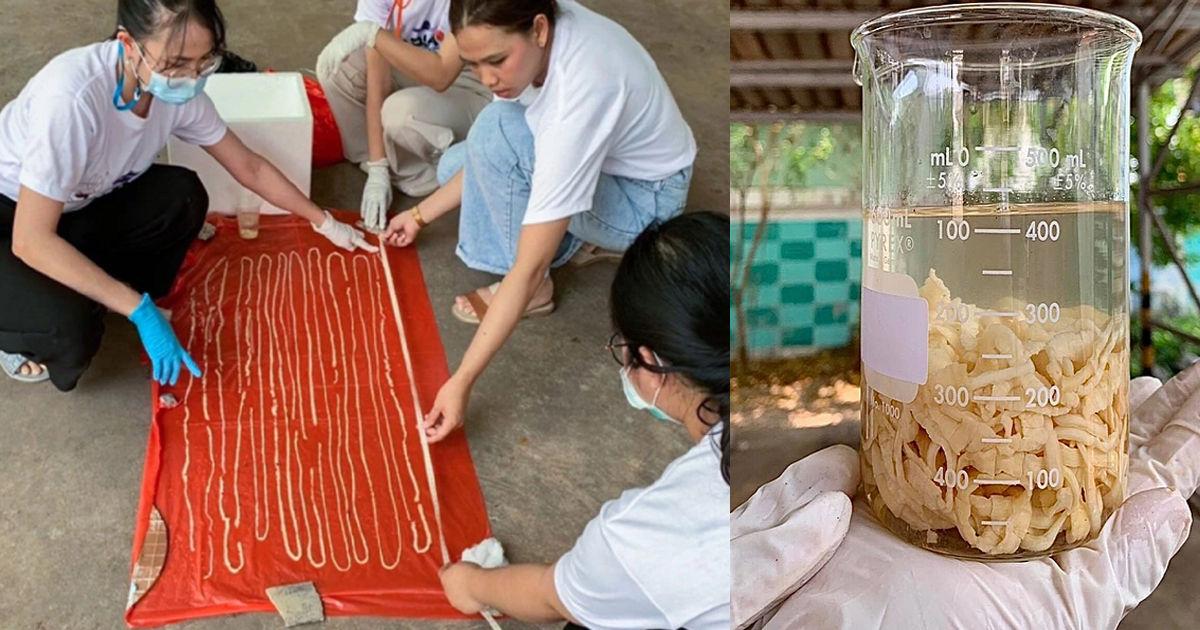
column 789, row 529
column 876, row 581
column 377, row 196
column 343, row 235
column 352, row 38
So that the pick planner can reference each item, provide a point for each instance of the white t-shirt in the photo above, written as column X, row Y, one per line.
column 424, row 23
column 603, row 108
column 657, row 557
column 63, row 138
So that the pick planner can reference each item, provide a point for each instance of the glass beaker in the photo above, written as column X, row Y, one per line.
column 248, row 208
column 995, row 294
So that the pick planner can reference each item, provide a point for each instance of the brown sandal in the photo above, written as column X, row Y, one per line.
column 475, row 299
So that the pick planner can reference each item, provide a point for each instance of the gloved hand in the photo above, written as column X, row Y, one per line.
column 789, row 529
column 343, row 235
column 160, row 343
column 377, row 195
column 352, row 38
column 874, row 580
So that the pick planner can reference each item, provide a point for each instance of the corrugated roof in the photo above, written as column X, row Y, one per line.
column 792, row 58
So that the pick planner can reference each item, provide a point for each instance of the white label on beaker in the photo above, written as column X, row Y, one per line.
column 895, row 334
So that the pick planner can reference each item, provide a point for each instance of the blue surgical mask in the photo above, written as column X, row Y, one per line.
column 636, row 401
column 183, row 90
column 177, row 91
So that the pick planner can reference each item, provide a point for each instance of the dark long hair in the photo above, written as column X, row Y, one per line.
column 146, row 18
column 513, row 16
column 670, row 295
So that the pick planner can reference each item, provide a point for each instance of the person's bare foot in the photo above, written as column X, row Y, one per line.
column 29, row 368
column 542, row 296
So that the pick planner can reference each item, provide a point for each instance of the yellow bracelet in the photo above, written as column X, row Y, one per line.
column 416, row 214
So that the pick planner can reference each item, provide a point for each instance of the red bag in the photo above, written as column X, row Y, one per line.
column 327, row 140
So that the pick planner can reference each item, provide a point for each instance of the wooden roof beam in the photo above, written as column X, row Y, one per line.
column 791, row 79
column 787, row 115
column 848, row 19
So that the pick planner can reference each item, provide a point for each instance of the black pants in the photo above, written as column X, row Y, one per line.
column 138, row 234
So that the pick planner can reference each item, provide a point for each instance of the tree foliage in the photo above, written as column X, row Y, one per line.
column 1181, row 167
column 766, row 157
column 1181, row 214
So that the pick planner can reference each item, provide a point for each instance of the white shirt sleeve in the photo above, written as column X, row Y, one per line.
column 571, row 144
column 200, row 124
column 375, row 11
column 594, row 585
column 57, row 136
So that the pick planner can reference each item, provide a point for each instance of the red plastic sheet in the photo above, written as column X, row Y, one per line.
column 297, row 456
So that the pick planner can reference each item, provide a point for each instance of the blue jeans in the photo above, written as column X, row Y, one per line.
column 498, row 160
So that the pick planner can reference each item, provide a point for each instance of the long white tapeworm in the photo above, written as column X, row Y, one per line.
column 346, row 410
column 220, row 316
column 260, row 454
column 377, row 403
column 187, row 414
column 290, row 406
column 221, row 501
column 241, row 336
column 278, row 403
column 312, row 396
column 255, row 325
column 356, row 387
column 315, row 277
column 296, row 271
column 212, row 459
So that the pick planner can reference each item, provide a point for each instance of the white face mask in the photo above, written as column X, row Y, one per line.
column 637, row 402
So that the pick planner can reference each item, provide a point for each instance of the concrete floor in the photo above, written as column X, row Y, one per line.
column 762, row 452
column 550, row 432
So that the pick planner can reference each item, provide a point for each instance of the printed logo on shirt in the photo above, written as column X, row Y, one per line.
column 90, row 187
column 427, row 37
column 125, row 179
column 90, row 191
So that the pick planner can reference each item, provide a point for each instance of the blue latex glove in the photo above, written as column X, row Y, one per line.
column 160, row 343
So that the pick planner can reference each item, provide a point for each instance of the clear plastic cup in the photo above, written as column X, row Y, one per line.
column 249, row 206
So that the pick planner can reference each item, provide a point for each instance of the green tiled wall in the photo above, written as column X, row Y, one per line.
column 804, row 286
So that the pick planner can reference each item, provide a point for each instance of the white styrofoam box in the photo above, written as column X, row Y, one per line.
column 270, row 113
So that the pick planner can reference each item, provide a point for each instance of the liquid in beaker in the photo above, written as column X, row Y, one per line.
column 1016, row 445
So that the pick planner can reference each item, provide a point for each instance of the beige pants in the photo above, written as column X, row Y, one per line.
column 419, row 123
